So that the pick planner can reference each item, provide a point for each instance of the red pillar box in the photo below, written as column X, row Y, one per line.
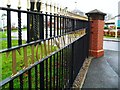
column 96, row 18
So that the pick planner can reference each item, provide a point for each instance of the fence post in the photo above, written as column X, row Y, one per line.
column 88, row 35
column 96, row 33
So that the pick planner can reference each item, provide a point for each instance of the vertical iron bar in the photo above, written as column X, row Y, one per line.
column 50, row 25
column 62, row 70
column 19, row 29
column 29, row 80
column 46, row 73
column 63, row 27
column 42, row 75
column 35, row 27
column 36, row 78
column 50, row 72
column 46, row 23
column 21, row 82
column 41, row 29
column 71, row 64
column 73, row 25
column 11, row 85
column 57, row 71
column 9, row 44
column 60, row 25
column 66, row 68
column 54, row 71
column 28, row 28
column 65, row 24
column 54, row 25
column 57, row 25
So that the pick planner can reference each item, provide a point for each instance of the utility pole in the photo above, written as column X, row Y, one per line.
column 75, row 5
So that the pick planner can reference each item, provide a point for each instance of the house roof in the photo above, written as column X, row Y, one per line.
column 118, row 15
column 110, row 21
column 95, row 11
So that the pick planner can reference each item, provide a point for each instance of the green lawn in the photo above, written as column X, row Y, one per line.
column 14, row 43
column 3, row 35
column 6, row 62
column 109, row 37
column 15, row 30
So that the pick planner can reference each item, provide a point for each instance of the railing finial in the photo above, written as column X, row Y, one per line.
column 8, row 3
column 60, row 9
column 19, row 4
column 57, row 8
column 46, row 6
column 28, row 4
column 35, row 5
column 51, row 6
column 66, row 11
column 41, row 4
column 54, row 7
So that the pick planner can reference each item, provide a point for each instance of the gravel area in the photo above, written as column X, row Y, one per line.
column 79, row 81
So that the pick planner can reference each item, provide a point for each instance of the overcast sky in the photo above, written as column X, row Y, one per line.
column 106, row 6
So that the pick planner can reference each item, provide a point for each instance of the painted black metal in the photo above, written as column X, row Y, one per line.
column 9, row 44
column 54, row 25
column 21, row 82
column 29, row 79
column 70, row 65
column 57, row 25
column 46, row 73
column 51, row 25
column 42, row 75
column 65, row 62
column 19, row 29
column 36, row 77
column 46, row 25
column 41, row 32
column 11, row 85
column 28, row 28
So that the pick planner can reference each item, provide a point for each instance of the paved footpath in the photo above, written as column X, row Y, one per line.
column 103, row 72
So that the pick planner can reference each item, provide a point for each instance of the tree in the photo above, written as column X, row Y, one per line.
column 108, row 16
column 3, row 20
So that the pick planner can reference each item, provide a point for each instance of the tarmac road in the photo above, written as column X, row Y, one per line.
column 103, row 72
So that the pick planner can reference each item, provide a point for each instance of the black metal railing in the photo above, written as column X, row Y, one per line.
column 41, row 26
column 57, row 69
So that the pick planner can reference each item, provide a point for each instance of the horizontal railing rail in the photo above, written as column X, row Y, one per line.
column 62, row 77
column 53, row 52
column 41, row 25
column 33, row 42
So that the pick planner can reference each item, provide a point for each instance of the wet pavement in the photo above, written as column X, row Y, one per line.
column 111, row 45
column 103, row 71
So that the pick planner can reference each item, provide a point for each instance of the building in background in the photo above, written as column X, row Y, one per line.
column 112, row 25
column 118, row 21
column 77, row 11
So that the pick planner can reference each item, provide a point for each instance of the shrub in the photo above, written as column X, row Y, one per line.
column 0, row 29
column 105, row 27
column 118, row 27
